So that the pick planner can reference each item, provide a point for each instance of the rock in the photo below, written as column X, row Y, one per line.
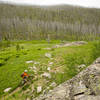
column 77, row 43
column 50, row 63
column 53, row 84
column 28, row 99
column 48, row 55
column 39, row 89
column 47, row 48
column 79, row 87
column 97, row 61
column 81, row 66
column 36, row 63
column 7, row 89
column 29, row 62
column 34, row 68
column 48, row 68
column 48, row 88
column 47, row 75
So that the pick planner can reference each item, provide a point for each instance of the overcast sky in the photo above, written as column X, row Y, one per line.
column 85, row 3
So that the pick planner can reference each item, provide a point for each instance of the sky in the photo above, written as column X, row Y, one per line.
column 84, row 3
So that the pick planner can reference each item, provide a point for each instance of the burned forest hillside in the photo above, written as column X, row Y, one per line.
column 58, row 22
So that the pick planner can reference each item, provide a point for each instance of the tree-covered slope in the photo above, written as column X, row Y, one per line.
column 60, row 22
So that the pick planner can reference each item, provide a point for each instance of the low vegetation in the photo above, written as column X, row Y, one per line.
column 62, row 63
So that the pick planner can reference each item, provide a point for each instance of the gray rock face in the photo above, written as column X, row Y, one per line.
column 84, row 86
column 77, row 43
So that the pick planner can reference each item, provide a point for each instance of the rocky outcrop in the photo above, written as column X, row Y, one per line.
column 77, row 43
column 84, row 86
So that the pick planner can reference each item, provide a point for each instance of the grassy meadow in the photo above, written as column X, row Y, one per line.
column 63, row 64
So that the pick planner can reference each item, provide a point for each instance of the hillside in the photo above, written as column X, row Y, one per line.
column 49, row 64
column 60, row 22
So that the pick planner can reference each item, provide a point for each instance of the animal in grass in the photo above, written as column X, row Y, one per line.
column 25, row 76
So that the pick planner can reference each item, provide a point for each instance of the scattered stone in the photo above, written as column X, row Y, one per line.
column 97, row 61
column 36, row 63
column 48, row 68
column 47, row 75
column 48, row 88
column 48, row 55
column 7, row 90
column 50, row 63
column 44, row 91
column 39, row 89
column 47, row 48
column 82, row 66
column 53, row 84
column 28, row 99
column 29, row 62
column 34, row 68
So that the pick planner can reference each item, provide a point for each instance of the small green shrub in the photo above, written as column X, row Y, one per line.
column 2, row 62
column 39, row 49
column 17, row 47
column 71, row 63
column 22, row 47
column 18, row 55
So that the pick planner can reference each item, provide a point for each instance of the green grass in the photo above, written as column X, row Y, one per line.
column 65, row 61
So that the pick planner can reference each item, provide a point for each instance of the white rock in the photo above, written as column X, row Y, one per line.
column 36, row 63
column 48, row 68
column 46, row 75
column 34, row 68
column 48, row 88
column 50, row 63
column 28, row 99
column 82, row 66
column 8, row 89
column 47, row 48
column 39, row 89
column 48, row 55
column 29, row 62
column 53, row 84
